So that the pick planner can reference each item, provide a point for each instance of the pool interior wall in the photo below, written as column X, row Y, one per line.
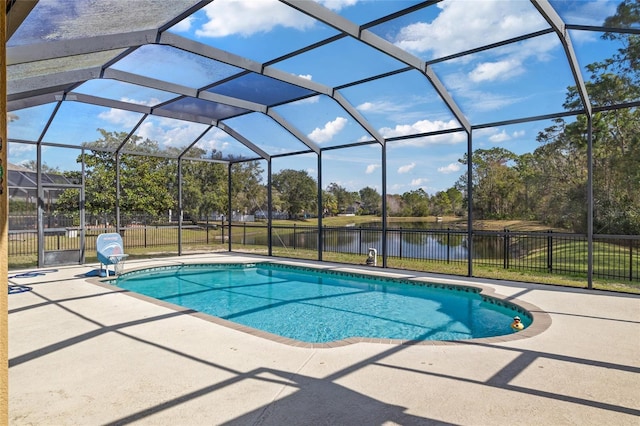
column 535, row 320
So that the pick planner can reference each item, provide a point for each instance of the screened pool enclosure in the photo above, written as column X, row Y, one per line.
column 247, row 125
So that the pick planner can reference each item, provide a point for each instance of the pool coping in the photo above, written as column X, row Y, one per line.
column 541, row 320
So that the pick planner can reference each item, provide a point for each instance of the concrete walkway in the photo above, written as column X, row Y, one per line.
column 83, row 354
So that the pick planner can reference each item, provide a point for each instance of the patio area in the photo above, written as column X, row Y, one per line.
column 86, row 354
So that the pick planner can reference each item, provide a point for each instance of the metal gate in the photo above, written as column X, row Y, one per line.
column 61, row 225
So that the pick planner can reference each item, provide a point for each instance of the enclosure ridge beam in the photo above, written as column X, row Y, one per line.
column 246, row 142
column 31, row 101
column 293, row 130
column 33, row 86
column 490, row 46
column 558, row 25
column 446, row 97
column 109, row 103
column 321, row 13
column 297, row 80
column 185, row 14
column 358, row 117
column 80, row 46
column 131, row 133
column 209, row 52
column 152, row 83
column 235, row 102
column 182, row 116
column 192, row 144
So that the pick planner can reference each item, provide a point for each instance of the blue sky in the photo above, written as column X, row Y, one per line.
column 524, row 79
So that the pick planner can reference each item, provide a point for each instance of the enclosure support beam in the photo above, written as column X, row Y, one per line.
column 180, row 207
column 117, row 191
column 229, row 211
column 269, row 208
column 320, row 231
column 40, row 206
column 558, row 25
column 470, row 204
column 589, row 201
column 83, row 213
column 384, row 205
column 4, row 231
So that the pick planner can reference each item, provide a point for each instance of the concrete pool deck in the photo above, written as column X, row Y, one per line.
column 86, row 354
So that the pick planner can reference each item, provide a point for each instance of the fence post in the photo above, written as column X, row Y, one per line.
column 400, row 243
column 295, row 238
column 550, row 251
column 630, row 260
column 244, row 233
column 448, row 245
column 505, row 249
column 360, row 239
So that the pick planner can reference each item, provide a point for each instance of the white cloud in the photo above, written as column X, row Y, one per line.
column 329, row 130
column 311, row 100
column 455, row 30
column 248, row 17
column 499, row 137
column 422, row 126
column 214, row 139
column 306, row 76
column 366, row 106
column 337, row 5
column 312, row 172
column 167, row 133
column 490, row 71
column 406, row 168
column 584, row 37
column 20, row 149
column 380, row 107
column 397, row 187
column 590, row 12
column 372, row 168
column 503, row 136
column 480, row 101
column 365, row 138
column 419, row 182
column 184, row 25
column 450, row 168
column 149, row 102
column 121, row 117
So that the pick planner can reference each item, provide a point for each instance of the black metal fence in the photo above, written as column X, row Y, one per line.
column 615, row 257
column 159, row 238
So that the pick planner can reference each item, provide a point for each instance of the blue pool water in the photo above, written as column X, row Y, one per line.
column 323, row 306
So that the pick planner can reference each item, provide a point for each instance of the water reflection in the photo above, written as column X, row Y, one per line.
column 417, row 240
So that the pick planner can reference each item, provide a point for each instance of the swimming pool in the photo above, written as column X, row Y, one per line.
column 319, row 306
